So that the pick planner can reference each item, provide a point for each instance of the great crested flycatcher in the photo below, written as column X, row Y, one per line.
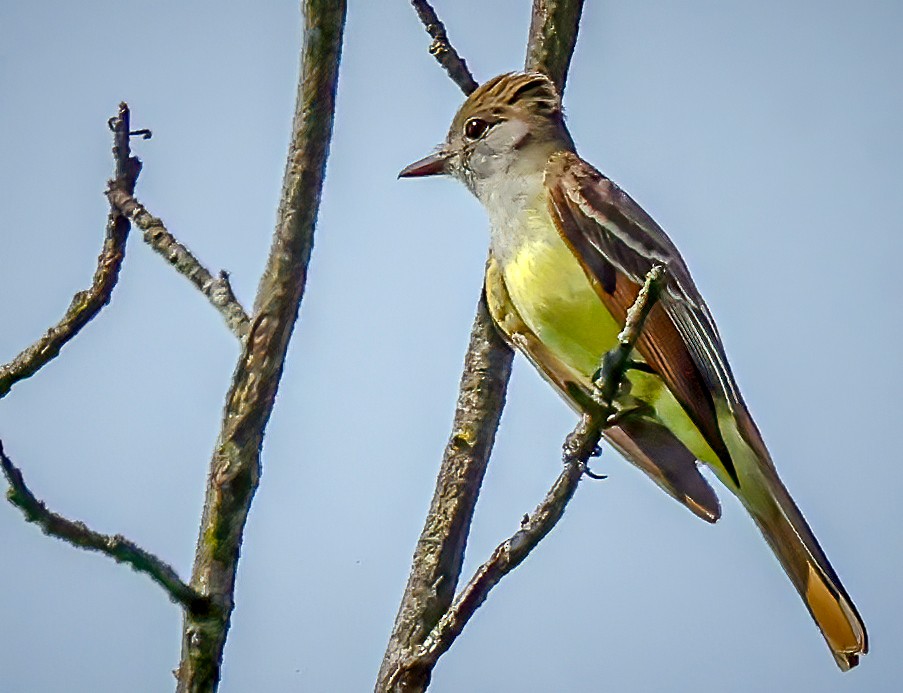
column 569, row 251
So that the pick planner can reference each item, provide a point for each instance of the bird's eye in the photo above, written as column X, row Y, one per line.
column 475, row 128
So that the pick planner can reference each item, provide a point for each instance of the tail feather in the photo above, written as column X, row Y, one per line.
column 797, row 549
column 787, row 532
column 655, row 450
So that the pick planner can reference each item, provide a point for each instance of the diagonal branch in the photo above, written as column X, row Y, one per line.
column 217, row 289
column 80, row 536
column 578, row 448
column 442, row 49
column 439, row 555
column 86, row 304
column 235, row 466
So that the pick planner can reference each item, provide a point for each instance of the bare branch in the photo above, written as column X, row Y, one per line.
column 442, row 49
column 235, row 466
column 578, row 448
column 80, row 536
column 86, row 304
column 553, row 34
column 217, row 289
column 506, row 557
column 439, row 555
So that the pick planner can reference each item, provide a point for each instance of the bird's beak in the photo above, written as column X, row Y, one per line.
column 432, row 165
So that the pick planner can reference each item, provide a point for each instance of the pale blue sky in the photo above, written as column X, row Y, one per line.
column 765, row 137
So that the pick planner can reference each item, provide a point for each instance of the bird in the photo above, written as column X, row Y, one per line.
column 568, row 253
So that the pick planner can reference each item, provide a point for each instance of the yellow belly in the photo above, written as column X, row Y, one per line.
column 553, row 296
column 557, row 302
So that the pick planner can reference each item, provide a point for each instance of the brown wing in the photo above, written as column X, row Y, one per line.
column 650, row 446
column 618, row 243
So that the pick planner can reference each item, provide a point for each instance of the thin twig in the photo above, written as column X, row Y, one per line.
column 442, row 49
column 80, row 536
column 235, row 465
column 617, row 361
column 86, row 304
column 578, row 448
column 217, row 289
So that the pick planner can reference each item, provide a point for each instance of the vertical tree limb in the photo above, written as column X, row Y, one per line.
column 553, row 34
column 439, row 554
column 235, row 466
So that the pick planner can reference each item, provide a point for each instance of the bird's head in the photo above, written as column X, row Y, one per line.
column 514, row 120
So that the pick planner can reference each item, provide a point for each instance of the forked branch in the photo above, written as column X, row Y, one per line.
column 235, row 464
column 84, row 307
column 578, row 448
column 87, row 304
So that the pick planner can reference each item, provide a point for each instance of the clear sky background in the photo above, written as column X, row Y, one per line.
column 765, row 137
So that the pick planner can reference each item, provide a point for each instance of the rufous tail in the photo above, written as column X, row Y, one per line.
column 796, row 547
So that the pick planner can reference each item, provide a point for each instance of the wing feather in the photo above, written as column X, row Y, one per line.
column 611, row 235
